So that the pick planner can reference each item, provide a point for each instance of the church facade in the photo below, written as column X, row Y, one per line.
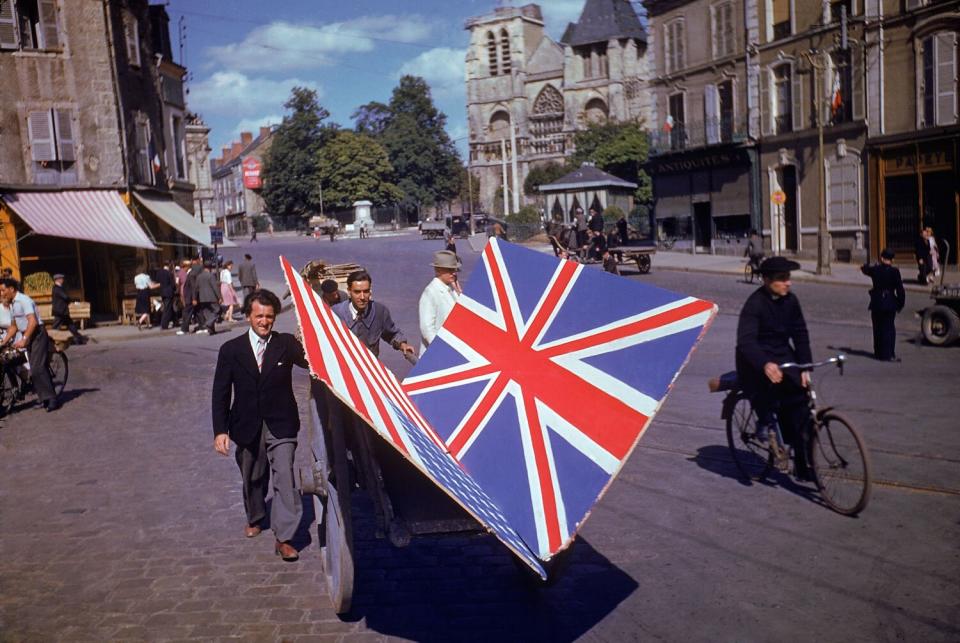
column 527, row 95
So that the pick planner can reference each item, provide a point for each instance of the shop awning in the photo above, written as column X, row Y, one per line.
column 180, row 220
column 90, row 215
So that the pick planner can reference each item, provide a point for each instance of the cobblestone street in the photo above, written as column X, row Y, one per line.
column 119, row 522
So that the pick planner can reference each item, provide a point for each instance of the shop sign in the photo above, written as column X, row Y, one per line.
column 251, row 173
column 909, row 160
column 699, row 162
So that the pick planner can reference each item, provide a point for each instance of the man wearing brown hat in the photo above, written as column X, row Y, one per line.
column 439, row 296
column 772, row 331
column 887, row 298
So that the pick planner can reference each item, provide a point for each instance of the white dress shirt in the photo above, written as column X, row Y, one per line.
column 255, row 342
column 436, row 302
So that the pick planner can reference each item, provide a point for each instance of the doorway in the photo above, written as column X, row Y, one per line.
column 703, row 226
column 788, row 183
column 900, row 199
column 940, row 209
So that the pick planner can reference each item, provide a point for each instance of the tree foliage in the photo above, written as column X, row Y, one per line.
column 354, row 166
column 427, row 168
column 618, row 148
column 541, row 175
column 290, row 166
column 371, row 118
column 527, row 214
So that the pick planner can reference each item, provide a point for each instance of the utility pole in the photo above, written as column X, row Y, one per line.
column 823, row 237
column 470, row 198
column 503, row 166
column 513, row 167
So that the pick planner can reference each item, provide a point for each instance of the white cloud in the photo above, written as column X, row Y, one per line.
column 442, row 68
column 235, row 94
column 282, row 46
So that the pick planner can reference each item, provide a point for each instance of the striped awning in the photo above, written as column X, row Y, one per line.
column 90, row 215
column 180, row 220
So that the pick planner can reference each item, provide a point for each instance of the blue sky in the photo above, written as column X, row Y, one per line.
column 245, row 55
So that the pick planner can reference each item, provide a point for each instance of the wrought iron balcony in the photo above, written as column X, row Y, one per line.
column 698, row 134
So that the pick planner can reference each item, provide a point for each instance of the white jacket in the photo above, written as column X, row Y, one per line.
column 436, row 302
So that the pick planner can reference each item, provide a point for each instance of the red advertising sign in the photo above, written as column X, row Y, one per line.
column 251, row 173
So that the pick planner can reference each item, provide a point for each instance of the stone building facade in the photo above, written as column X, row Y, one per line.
column 88, row 107
column 237, row 192
column 527, row 90
column 197, row 141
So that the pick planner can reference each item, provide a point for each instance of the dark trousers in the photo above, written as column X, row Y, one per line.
column 38, row 351
column 66, row 320
column 923, row 269
column 209, row 310
column 265, row 459
column 786, row 404
column 166, row 312
column 187, row 316
column 884, row 334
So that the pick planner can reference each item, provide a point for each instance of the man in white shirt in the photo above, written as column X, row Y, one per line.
column 33, row 339
column 439, row 296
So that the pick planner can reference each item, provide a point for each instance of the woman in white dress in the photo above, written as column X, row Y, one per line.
column 934, row 256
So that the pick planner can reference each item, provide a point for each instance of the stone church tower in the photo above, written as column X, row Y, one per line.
column 518, row 78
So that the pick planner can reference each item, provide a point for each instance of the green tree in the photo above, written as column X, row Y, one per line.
column 290, row 166
column 371, row 119
column 427, row 168
column 618, row 148
column 541, row 175
column 354, row 166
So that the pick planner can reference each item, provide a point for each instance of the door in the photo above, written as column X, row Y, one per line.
column 703, row 226
column 788, row 183
column 940, row 210
column 901, row 216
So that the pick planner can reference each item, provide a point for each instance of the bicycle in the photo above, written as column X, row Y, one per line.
column 751, row 269
column 14, row 377
column 666, row 243
column 837, row 455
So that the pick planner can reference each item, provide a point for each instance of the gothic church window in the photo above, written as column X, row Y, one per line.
column 492, row 53
column 546, row 122
column 504, row 51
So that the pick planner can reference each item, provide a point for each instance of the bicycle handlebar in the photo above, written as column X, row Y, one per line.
column 837, row 359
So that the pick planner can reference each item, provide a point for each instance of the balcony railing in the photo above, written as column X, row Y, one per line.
column 698, row 134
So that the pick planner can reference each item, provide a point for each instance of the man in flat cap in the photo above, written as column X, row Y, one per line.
column 887, row 298
column 439, row 296
column 771, row 331
column 60, row 309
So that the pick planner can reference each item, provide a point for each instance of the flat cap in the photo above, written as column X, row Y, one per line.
column 887, row 253
column 778, row 264
column 58, row 276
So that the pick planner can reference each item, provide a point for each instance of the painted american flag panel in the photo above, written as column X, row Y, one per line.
column 544, row 377
column 362, row 382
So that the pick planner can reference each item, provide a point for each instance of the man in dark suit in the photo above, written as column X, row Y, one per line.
column 254, row 405
column 771, row 331
column 190, row 295
column 60, row 309
column 168, row 289
column 208, row 298
column 887, row 298
column 247, row 273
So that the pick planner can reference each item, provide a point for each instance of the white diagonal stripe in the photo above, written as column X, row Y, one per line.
column 577, row 439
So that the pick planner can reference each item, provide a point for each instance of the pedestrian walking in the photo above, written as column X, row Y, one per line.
column 934, row 256
column 922, row 252
column 887, row 298
column 31, row 337
column 439, row 296
column 332, row 231
column 247, row 274
column 168, row 290
column 253, row 232
column 270, row 228
column 254, row 406
column 369, row 320
column 451, row 242
column 190, row 296
column 60, row 309
column 208, row 299
column 144, row 284
column 227, row 292
column 623, row 230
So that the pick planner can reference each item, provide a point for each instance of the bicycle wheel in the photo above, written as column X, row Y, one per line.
column 59, row 368
column 841, row 465
column 748, row 273
column 752, row 458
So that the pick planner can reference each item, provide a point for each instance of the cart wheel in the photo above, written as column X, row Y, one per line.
column 337, row 551
column 643, row 264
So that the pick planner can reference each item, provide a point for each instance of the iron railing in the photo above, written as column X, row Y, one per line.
column 696, row 134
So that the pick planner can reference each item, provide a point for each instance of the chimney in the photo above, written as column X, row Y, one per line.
column 246, row 138
column 237, row 148
column 264, row 132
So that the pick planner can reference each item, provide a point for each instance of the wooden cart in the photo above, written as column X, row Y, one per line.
column 641, row 254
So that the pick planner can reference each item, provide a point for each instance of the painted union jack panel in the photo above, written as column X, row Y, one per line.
column 362, row 382
column 544, row 377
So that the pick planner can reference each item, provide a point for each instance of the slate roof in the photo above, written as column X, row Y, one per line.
column 586, row 176
column 603, row 20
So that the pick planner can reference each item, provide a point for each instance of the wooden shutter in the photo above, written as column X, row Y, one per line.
column 131, row 31
column 729, row 29
column 40, row 130
column 49, row 34
column 766, row 108
column 66, row 148
column 711, row 121
column 8, row 25
column 681, row 55
column 946, row 78
column 796, row 94
column 859, row 107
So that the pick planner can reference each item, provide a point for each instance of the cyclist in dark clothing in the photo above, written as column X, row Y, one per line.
column 771, row 331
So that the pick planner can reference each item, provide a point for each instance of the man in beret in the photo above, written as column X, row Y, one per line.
column 887, row 298
column 771, row 331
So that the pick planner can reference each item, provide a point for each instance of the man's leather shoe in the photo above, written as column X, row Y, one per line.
column 252, row 531
column 287, row 552
column 52, row 405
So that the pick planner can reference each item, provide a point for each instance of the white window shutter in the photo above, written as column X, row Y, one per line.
column 66, row 147
column 856, row 84
column 766, row 108
column 797, row 95
column 131, row 30
column 946, row 75
column 8, row 26
column 729, row 29
column 40, row 130
column 49, row 33
column 711, row 122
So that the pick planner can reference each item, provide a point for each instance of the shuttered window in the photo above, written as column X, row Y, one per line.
column 42, row 140
column 53, row 146
column 938, row 80
column 29, row 24
column 49, row 35
column 843, row 191
column 131, row 32
column 8, row 25
column 673, row 46
column 723, row 30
